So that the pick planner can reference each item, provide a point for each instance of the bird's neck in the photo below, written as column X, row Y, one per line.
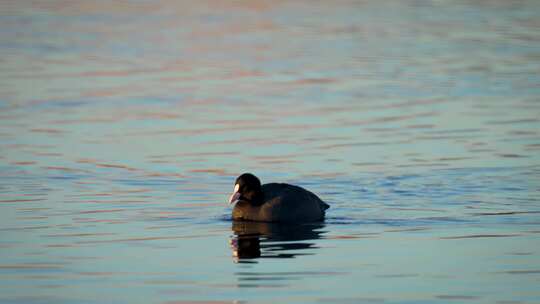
column 255, row 198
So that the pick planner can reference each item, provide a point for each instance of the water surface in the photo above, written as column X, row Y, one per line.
column 123, row 127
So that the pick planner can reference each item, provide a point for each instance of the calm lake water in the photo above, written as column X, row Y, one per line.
column 123, row 126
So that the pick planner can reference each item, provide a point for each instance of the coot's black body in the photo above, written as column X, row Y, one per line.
column 274, row 202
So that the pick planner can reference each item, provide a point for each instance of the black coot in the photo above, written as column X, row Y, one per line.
column 274, row 202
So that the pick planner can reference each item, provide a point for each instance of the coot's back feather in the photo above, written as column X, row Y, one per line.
column 291, row 194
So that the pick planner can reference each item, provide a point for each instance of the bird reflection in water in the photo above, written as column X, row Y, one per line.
column 253, row 240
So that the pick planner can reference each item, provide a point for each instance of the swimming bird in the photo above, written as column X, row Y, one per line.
column 274, row 202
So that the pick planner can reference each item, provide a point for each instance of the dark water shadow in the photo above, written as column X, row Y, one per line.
column 255, row 240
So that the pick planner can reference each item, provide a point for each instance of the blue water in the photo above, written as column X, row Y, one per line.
column 123, row 127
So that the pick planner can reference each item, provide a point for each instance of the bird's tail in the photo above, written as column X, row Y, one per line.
column 324, row 205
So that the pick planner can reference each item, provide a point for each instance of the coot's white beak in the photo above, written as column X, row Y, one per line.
column 235, row 196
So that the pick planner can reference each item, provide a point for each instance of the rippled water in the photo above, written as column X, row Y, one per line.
column 123, row 126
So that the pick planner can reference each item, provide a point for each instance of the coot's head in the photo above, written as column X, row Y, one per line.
column 247, row 187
